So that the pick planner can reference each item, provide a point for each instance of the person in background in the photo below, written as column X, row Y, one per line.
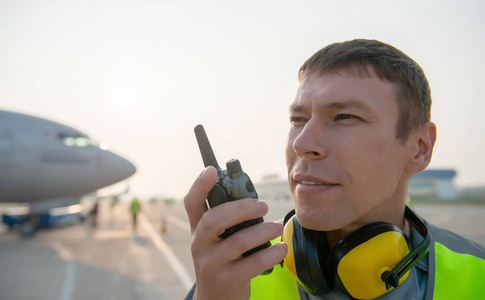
column 94, row 214
column 135, row 208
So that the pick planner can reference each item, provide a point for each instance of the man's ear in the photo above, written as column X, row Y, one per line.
column 423, row 139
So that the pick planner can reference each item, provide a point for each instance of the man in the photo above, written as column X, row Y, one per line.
column 135, row 209
column 94, row 214
column 360, row 127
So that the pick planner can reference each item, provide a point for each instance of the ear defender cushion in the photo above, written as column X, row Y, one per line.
column 307, row 256
column 358, row 261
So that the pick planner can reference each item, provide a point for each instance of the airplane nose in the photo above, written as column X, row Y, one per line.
column 125, row 167
column 115, row 167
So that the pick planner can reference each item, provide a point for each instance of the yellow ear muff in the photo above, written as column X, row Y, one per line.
column 361, row 269
column 287, row 237
column 359, row 262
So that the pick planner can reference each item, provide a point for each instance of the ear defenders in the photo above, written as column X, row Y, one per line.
column 364, row 265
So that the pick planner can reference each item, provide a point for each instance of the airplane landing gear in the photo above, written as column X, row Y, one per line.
column 28, row 227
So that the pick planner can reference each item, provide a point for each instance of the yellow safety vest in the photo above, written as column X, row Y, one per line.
column 279, row 285
column 458, row 275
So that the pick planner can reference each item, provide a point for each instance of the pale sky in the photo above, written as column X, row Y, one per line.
column 141, row 74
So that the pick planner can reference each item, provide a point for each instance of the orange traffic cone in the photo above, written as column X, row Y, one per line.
column 163, row 227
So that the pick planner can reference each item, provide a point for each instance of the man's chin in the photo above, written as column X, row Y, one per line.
column 314, row 220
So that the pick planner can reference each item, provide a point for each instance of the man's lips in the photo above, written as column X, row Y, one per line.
column 311, row 180
column 310, row 184
column 306, row 182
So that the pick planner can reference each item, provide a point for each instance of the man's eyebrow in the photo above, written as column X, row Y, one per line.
column 332, row 105
column 346, row 104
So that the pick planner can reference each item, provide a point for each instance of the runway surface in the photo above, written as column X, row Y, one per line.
column 116, row 262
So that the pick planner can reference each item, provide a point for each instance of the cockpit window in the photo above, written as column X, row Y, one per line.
column 78, row 140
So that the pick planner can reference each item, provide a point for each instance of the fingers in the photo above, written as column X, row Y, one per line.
column 249, row 238
column 194, row 201
column 221, row 269
column 217, row 219
column 262, row 260
column 233, row 280
column 227, row 254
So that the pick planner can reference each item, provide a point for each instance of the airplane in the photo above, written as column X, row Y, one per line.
column 49, row 165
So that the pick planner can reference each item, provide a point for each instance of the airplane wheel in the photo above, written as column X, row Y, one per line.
column 27, row 228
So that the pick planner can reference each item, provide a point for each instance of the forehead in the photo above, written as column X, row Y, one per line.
column 348, row 88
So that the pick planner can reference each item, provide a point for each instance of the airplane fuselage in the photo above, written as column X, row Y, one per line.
column 42, row 159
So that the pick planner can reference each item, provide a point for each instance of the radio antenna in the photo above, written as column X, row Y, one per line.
column 205, row 147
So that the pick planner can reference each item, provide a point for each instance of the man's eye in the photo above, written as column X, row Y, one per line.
column 345, row 117
column 297, row 120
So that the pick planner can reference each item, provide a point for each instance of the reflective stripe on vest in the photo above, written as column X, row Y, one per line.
column 458, row 275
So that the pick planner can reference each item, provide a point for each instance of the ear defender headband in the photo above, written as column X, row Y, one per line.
column 364, row 265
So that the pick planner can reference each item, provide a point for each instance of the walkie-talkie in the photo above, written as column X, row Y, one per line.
column 232, row 184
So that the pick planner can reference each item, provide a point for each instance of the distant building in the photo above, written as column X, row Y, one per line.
column 433, row 183
column 429, row 183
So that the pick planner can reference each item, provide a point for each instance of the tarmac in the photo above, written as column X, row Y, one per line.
column 115, row 261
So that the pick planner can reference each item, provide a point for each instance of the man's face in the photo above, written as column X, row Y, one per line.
column 346, row 168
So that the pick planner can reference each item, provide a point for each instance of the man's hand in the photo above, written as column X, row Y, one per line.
column 220, row 269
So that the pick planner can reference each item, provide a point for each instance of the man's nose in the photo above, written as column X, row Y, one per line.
column 310, row 142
